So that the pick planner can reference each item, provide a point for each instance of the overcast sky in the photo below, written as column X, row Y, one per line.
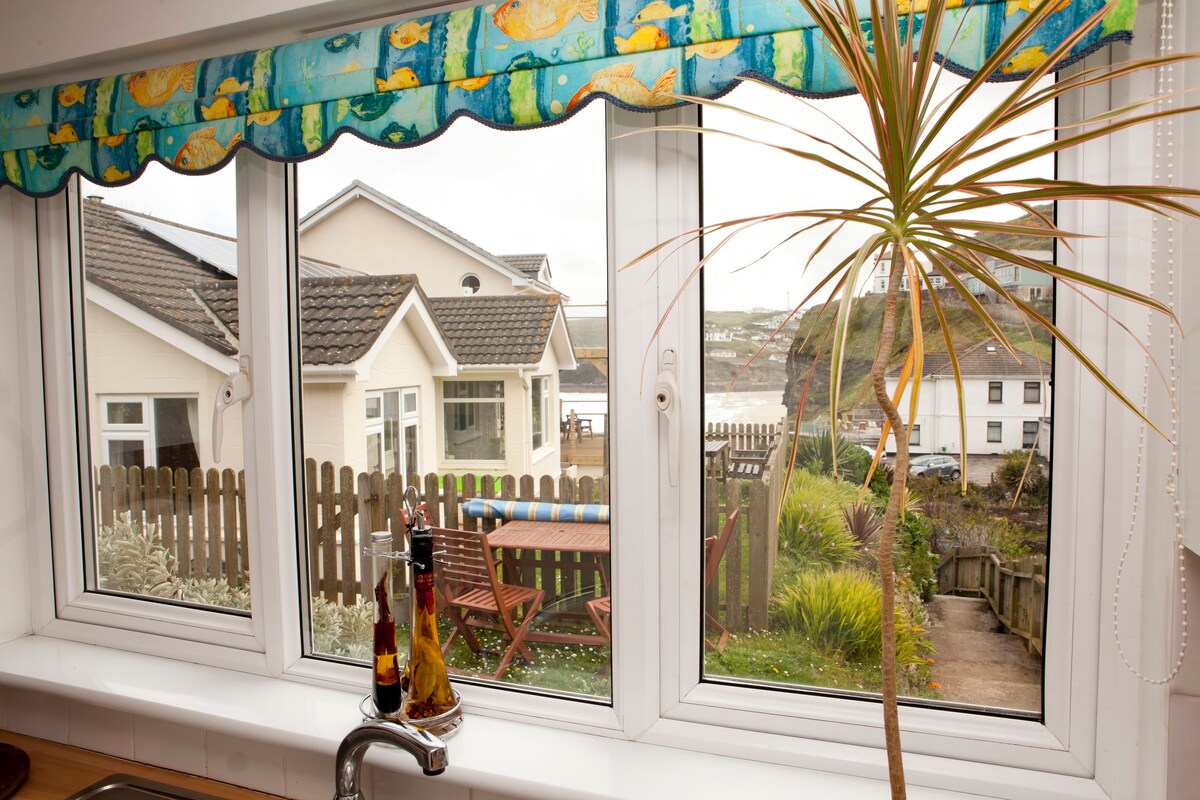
column 543, row 191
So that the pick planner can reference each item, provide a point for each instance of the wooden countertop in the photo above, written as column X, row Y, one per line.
column 57, row 771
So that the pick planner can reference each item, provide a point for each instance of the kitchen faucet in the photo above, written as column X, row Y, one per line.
column 429, row 750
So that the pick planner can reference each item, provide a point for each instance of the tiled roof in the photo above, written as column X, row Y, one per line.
column 151, row 275
column 497, row 329
column 528, row 264
column 987, row 359
column 340, row 318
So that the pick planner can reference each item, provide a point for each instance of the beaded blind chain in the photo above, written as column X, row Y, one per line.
column 1164, row 142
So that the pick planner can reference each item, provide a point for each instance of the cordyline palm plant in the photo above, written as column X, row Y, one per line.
column 929, row 201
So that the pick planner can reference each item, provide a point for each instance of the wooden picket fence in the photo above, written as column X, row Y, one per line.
column 744, row 435
column 200, row 515
column 340, row 501
column 1015, row 590
column 742, row 592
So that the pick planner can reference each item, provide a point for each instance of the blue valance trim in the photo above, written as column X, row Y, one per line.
column 517, row 64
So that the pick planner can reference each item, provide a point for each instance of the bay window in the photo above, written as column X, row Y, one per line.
column 116, row 406
column 474, row 414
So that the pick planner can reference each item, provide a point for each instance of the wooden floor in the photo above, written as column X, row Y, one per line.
column 588, row 452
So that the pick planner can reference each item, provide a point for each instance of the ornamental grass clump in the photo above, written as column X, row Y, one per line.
column 812, row 522
column 838, row 610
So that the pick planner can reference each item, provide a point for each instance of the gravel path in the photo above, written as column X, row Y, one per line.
column 978, row 664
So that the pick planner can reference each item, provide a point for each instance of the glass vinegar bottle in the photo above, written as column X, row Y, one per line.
column 385, row 682
column 425, row 682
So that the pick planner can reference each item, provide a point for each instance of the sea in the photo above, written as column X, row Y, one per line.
column 750, row 407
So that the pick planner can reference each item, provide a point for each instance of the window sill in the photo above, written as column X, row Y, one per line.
column 511, row 758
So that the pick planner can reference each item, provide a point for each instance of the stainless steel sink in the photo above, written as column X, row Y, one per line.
column 128, row 787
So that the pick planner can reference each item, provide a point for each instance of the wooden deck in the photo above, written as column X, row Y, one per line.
column 586, row 452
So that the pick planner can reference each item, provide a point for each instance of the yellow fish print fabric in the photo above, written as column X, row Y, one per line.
column 515, row 64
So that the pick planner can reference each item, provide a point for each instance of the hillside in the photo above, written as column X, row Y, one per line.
column 814, row 339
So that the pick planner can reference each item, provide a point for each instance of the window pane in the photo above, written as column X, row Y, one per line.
column 176, row 431
column 539, row 400
column 127, row 453
column 804, row 611
column 474, row 430
column 1033, row 392
column 160, row 314
column 423, row 280
column 124, row 412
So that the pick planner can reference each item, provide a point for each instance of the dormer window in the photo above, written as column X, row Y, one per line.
column 469, row 284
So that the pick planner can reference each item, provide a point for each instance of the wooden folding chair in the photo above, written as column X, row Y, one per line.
column 600, row 610
column 467, row 580
column 714, row 551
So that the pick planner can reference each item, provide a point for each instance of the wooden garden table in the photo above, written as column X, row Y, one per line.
column 591, row 538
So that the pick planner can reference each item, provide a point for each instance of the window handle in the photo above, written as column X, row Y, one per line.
column 666, row 397
column 233, row 389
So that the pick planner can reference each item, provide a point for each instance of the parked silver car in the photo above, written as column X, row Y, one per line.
column 939, row 466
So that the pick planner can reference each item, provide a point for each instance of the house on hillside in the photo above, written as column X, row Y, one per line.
column 878, row 282
column 1018, row 281
column 1006, row 398
column 394, row 377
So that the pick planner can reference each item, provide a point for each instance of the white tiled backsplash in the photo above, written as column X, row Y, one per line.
column 287, row 772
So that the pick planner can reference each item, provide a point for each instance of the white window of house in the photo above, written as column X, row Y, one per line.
column 392, row 431
column 150, row 431
column 474, row 420
column 1029, row 432
column 1033, row 392
column 470, row 284
column 995, row 391
column 994, row 430
column 915, row 438
column 539, row 395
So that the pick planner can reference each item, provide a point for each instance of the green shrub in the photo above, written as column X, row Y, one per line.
column 915, row 560
column 129, row 559
column 344, row 631
column 814, row 453
column 812, row 525
column 1012, row 473
column 839, row 611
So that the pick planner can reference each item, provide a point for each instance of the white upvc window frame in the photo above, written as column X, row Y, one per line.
column 145, row 431
column 544, row 381
column 70, row 611
column 658, row 695
column 447, row 405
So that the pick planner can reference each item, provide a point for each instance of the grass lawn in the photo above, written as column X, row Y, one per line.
column 786, row 658
column 458, row 481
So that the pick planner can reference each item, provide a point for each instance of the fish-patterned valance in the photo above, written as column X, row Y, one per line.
column 516, row 64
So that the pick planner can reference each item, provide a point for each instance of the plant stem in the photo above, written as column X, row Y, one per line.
column 887, row 536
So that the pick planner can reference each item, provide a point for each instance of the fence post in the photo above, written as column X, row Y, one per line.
column 347, row 508
column 166, row 510
column 760, row 561
column 212, row 491
column 468, row 493
column 199, row 527
column 712, row 527
column 229, row 508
